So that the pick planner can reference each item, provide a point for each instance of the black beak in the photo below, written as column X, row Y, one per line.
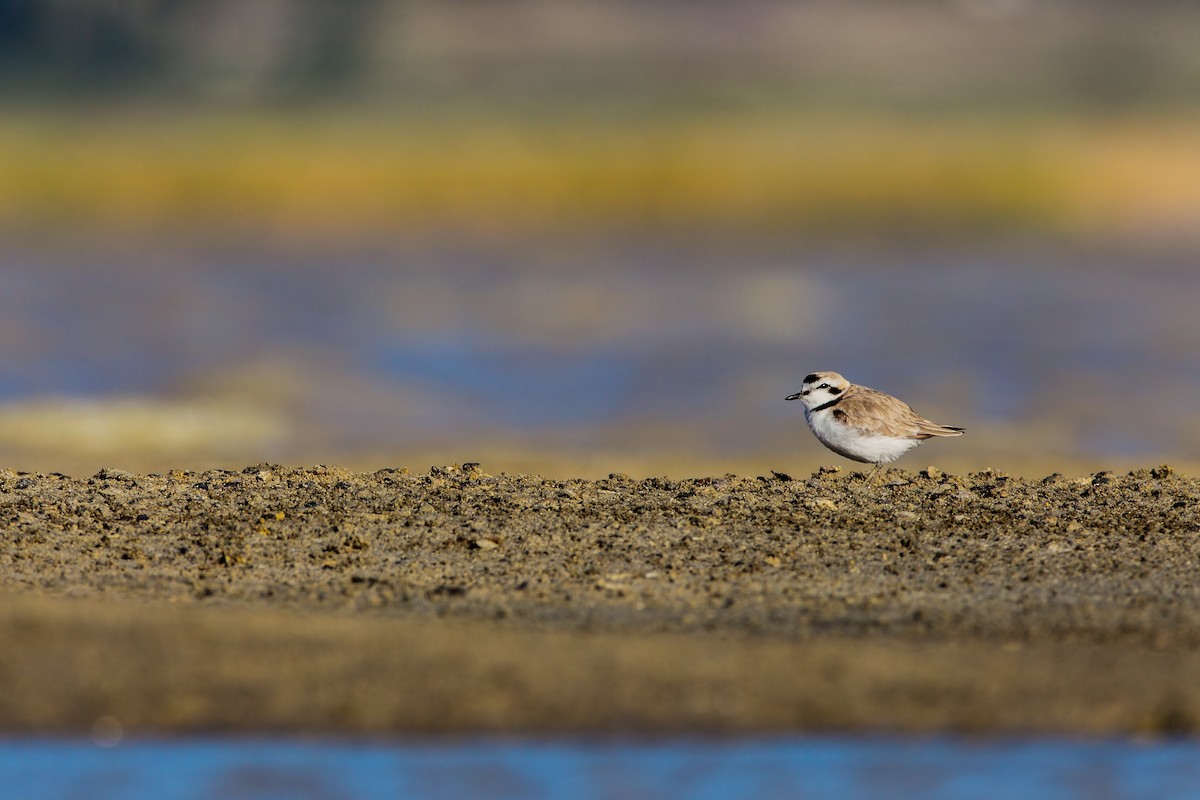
column 795, row 396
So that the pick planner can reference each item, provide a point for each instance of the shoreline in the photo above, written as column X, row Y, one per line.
column 319, row 600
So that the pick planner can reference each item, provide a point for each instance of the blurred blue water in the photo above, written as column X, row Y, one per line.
column 821, row 767
column 537, row 337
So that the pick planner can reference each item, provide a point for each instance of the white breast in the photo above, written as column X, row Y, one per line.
column 870, row 448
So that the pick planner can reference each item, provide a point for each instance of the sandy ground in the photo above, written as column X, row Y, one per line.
column 277, row 599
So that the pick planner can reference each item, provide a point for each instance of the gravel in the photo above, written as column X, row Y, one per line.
column 277, row 598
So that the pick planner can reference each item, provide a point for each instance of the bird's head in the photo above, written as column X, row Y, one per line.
column 819, row 388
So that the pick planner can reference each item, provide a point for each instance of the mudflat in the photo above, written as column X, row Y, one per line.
column 451, row 600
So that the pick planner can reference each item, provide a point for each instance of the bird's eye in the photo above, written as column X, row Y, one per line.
column 823, row 386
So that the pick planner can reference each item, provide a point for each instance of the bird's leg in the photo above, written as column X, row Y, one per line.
column 867, row 481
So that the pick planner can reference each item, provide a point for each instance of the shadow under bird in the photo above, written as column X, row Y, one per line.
column 863, row 424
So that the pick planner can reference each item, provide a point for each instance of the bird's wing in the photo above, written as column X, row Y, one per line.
column 874, row 412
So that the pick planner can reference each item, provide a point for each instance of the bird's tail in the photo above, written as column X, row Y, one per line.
column 941, row 430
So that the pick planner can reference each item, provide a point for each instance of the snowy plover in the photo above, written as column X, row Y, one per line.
column 863, row 424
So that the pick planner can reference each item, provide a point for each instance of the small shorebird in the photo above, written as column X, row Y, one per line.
column 863, row 424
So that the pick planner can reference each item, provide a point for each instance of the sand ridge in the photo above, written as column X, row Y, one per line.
column 454, row 600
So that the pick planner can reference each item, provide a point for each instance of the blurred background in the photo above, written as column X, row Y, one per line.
column 580, row 238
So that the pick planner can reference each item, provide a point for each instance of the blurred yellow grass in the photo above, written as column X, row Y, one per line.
column 322, row 173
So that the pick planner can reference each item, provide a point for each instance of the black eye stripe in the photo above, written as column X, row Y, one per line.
column 836, row 391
